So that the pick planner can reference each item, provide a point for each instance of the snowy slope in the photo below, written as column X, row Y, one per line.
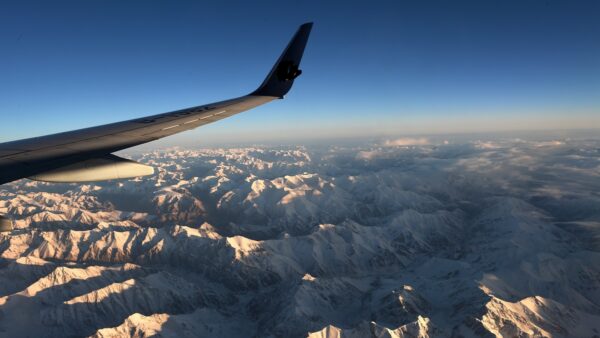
column 490, row 237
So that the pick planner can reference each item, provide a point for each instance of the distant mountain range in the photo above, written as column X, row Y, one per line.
column 392, row 239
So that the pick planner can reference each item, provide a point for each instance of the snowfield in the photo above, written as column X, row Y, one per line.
column 398, row 238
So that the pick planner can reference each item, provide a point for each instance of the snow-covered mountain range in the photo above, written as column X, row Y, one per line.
column 473, row 239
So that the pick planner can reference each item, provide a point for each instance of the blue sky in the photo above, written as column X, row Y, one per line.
column 371, row 67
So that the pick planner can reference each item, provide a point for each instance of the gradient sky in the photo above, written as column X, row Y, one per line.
column 370, row 68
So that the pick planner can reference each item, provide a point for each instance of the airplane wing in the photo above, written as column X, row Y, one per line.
column 86, row 154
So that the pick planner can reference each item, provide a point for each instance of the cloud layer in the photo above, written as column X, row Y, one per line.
column 407, row 141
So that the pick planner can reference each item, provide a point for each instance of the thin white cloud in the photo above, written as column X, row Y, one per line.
column 407, row 141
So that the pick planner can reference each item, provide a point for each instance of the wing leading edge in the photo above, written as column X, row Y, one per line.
column 35, row 156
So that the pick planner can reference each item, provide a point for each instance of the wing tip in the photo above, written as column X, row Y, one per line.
column 307, row 25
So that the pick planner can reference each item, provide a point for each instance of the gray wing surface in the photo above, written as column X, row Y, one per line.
column 34, row 156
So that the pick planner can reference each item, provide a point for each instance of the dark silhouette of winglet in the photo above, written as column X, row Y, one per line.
column 286, row 69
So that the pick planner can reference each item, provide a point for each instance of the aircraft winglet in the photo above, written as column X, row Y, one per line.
column 280, row 79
